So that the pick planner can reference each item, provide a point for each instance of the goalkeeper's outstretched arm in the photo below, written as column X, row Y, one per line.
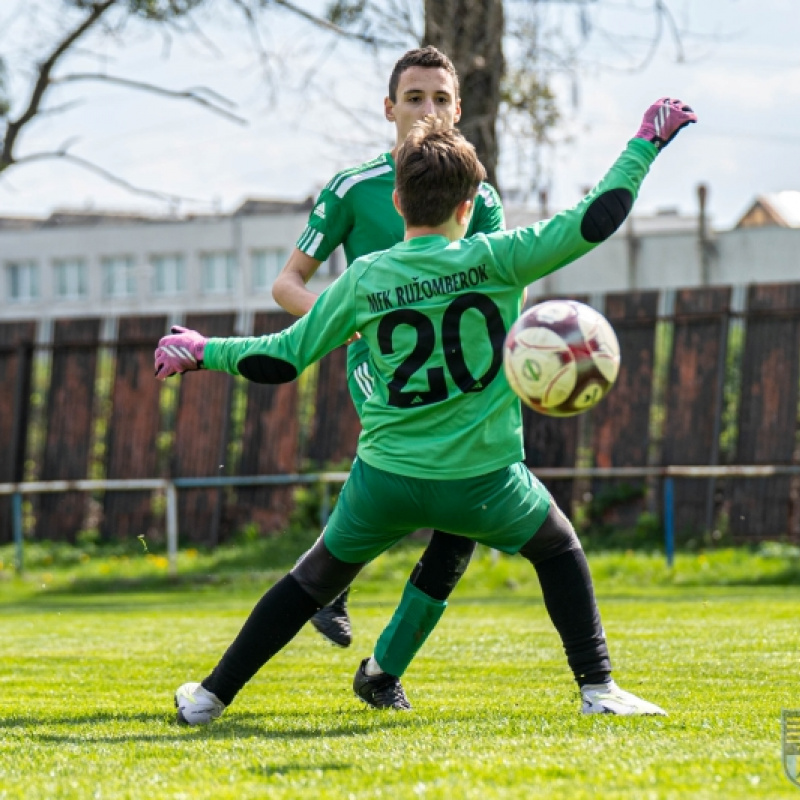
column 274, row 358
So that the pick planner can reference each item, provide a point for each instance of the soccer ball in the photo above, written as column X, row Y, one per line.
column 561, row 357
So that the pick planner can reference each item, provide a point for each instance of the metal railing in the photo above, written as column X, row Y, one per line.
column 170, row 487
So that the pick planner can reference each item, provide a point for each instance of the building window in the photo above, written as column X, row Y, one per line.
column 266, row 266
column 22, row 281
column 169, row 274
column 70, row 276
column 217, row 270
column 119, row 279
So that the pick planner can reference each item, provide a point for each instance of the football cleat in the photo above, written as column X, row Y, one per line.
column 608, row 698
column 380, row 691
column 196, row 705
column 333, row 622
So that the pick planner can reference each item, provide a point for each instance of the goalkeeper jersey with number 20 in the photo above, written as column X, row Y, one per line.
column 355, row 210
column 434, row 314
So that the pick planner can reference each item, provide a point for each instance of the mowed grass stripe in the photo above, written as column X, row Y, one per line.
column 86, row 684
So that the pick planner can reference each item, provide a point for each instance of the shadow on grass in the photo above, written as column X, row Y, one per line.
column 789, row 576
column 165, row 729
column 255, row 566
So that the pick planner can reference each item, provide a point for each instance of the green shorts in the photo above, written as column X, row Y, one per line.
column 360, row 381
column 502, row 509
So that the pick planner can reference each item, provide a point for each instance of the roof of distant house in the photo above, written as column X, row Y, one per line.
column 63, row 218
column 19, row 223
column 780, row 209
column 254, row 206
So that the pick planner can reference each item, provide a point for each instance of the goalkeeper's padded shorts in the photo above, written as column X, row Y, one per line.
column 376, row 509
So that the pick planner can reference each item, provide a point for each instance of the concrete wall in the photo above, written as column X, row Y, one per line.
column 141, row 241
column 648, row 253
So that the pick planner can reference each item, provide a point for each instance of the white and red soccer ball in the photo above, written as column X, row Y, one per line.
column 561, row 357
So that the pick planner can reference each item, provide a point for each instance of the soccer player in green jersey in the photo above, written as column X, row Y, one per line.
column 355, row 210
column 441, row 444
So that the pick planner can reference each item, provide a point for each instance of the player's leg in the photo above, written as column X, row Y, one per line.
column 421, row 606
column 556, row 554
column 349, row 541
column 273, row 623
column 333, row 619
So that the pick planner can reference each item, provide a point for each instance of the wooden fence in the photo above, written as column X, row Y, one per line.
column 700, row 385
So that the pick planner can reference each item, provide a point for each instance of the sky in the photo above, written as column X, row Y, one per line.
column 314, row 106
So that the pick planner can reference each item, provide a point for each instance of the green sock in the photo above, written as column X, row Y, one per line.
column 409, row 628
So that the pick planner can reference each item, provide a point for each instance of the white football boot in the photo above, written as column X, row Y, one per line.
column 608, row 698
column 196, row 705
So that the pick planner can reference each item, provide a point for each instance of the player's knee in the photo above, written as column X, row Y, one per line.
column 441, row 566
column 323, row 575
column 454, row 550
column 555, row 536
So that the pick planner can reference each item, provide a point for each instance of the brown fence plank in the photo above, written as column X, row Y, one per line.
column 693, row 401
column 620, row 424
column 767, row 427
column 336, row 427
column 201, row 437
column 270, row 442
column 68, row 439
column 132, row 429
column 552, row 441
column 16, row 348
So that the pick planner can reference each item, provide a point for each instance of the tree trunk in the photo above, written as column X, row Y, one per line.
column 471, row 33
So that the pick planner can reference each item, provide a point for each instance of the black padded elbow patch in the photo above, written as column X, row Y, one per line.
column 605, row 214
column 266, row 369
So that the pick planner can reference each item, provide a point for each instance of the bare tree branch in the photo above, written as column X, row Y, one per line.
column 195, row 94
column 399, row 15
column 255, row 36
column 43, row 81
column 325, row 24
column 51, row 111
column 663, row 9
column 324, row 55
column 63, row 155
column 188, row 25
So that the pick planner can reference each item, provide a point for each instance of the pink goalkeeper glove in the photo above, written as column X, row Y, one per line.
column 663, row 120
column 181, row 352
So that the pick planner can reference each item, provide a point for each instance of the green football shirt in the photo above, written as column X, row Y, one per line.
column 434, row 315
column 355, row 210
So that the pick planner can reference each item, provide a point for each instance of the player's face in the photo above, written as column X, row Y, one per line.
column 422, row 91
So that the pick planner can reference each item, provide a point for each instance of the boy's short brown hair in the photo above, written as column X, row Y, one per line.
column 429, row 58
column 436, row 169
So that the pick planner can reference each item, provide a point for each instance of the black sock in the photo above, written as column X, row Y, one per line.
column 272, row 624
column 569, row 599
column 442, row 564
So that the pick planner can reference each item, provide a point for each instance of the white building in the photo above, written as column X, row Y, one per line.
column 107, row 264
column 110, row 265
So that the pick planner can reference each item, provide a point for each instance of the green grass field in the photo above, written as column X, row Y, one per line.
column 86, row 682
